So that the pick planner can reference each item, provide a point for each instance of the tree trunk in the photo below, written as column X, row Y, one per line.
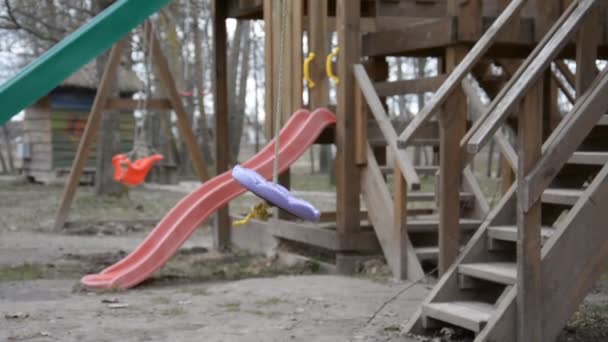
column 108, row 142
column 200, row 86
column 239, row 63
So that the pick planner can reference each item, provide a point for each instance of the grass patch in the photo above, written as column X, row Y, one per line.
column 176, row 311
column 589, row 323
column 269, row 302
column 232, row 306
column 22, row 272
column 265, row 314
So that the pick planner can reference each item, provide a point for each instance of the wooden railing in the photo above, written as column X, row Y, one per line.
column 566, row 139
column 461, row 71
column 379, row 113
column 530, row 71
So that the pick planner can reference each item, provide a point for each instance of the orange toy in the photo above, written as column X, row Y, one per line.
column 133, row 173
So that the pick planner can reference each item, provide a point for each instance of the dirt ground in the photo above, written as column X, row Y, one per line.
column 200, row 294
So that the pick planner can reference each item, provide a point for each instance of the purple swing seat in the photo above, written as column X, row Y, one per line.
column 275, row 194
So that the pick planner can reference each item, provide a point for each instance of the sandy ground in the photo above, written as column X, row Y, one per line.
column 200, row 295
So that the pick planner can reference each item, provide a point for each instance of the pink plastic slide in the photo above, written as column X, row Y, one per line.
column 179, row 224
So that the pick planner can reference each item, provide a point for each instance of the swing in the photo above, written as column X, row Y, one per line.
column 132, row 168
column 273, row 192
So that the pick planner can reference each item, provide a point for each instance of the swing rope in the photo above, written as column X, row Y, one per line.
column 277, row 113
column 261, row 210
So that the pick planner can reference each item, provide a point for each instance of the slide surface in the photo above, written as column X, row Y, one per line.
column 179, row 224
column 72, row 53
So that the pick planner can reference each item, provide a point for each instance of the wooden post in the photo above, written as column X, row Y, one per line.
column 89, row 134
column 298, row 60
column 529, row 288
column 9, row 148
column 586, row 51
column 347, row 173
column 221, row 233
column 400, row 225
column 268, row 68
column 318, row 43
column 452, row 127
column 185, row 127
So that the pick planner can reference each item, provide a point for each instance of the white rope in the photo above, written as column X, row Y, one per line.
column 277, row 118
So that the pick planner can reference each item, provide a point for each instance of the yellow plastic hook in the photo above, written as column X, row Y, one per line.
column 307, row 78
column 329, row 66
column 258, row 212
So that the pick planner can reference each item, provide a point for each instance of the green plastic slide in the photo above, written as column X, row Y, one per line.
column 72, row 53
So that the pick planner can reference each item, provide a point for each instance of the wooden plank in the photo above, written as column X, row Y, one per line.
column 436, row 34
column 538, row 61
column 414, row 86
column 460, row 71
column 90, row 131
column 361, row 120
column 381, row 214
column 347, row 172
column 561, row 196
column 129, row 104
column 498, row 272
column 221, row 230
column 566, row 138
column 452, row 124
column 381, row 116
column 529, row 286
column 580, row 246
column 324, row 236
column 408, row 8
column 469, row 315
column 185, row 127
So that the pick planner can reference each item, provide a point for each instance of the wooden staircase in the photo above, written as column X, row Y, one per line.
column 566, row 185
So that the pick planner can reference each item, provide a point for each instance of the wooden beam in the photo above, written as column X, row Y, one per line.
column 221, row 230
column 438, row 33
column 89, row 134
column 415, row 86
column 566, row 138
column 381, row 215
column 563, row 68
column 563, row 87
column 538, row 61
column 129, row 104
column 185, row 127
column 269, row 93
column 347, row 172
column 452, row 127
column 460, row 71
column 381, row 116
column 296, row 86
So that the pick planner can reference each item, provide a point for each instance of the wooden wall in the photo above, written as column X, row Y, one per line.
column 53, row 134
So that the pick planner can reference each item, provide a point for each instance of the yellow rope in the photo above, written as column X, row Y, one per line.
column 259, row 212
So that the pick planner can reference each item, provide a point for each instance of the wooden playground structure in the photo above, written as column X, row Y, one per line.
column 514, row 272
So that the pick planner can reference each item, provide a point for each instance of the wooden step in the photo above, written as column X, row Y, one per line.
column 603, row 121
column 509, row 233
column 418, row 225
column 469, row 315
column 498, row 272
column 427, row 253
column 562, row 196
column 589, row 158
column 421, row 170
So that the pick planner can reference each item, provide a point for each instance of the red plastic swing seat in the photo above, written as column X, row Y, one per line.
column 133, row 173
